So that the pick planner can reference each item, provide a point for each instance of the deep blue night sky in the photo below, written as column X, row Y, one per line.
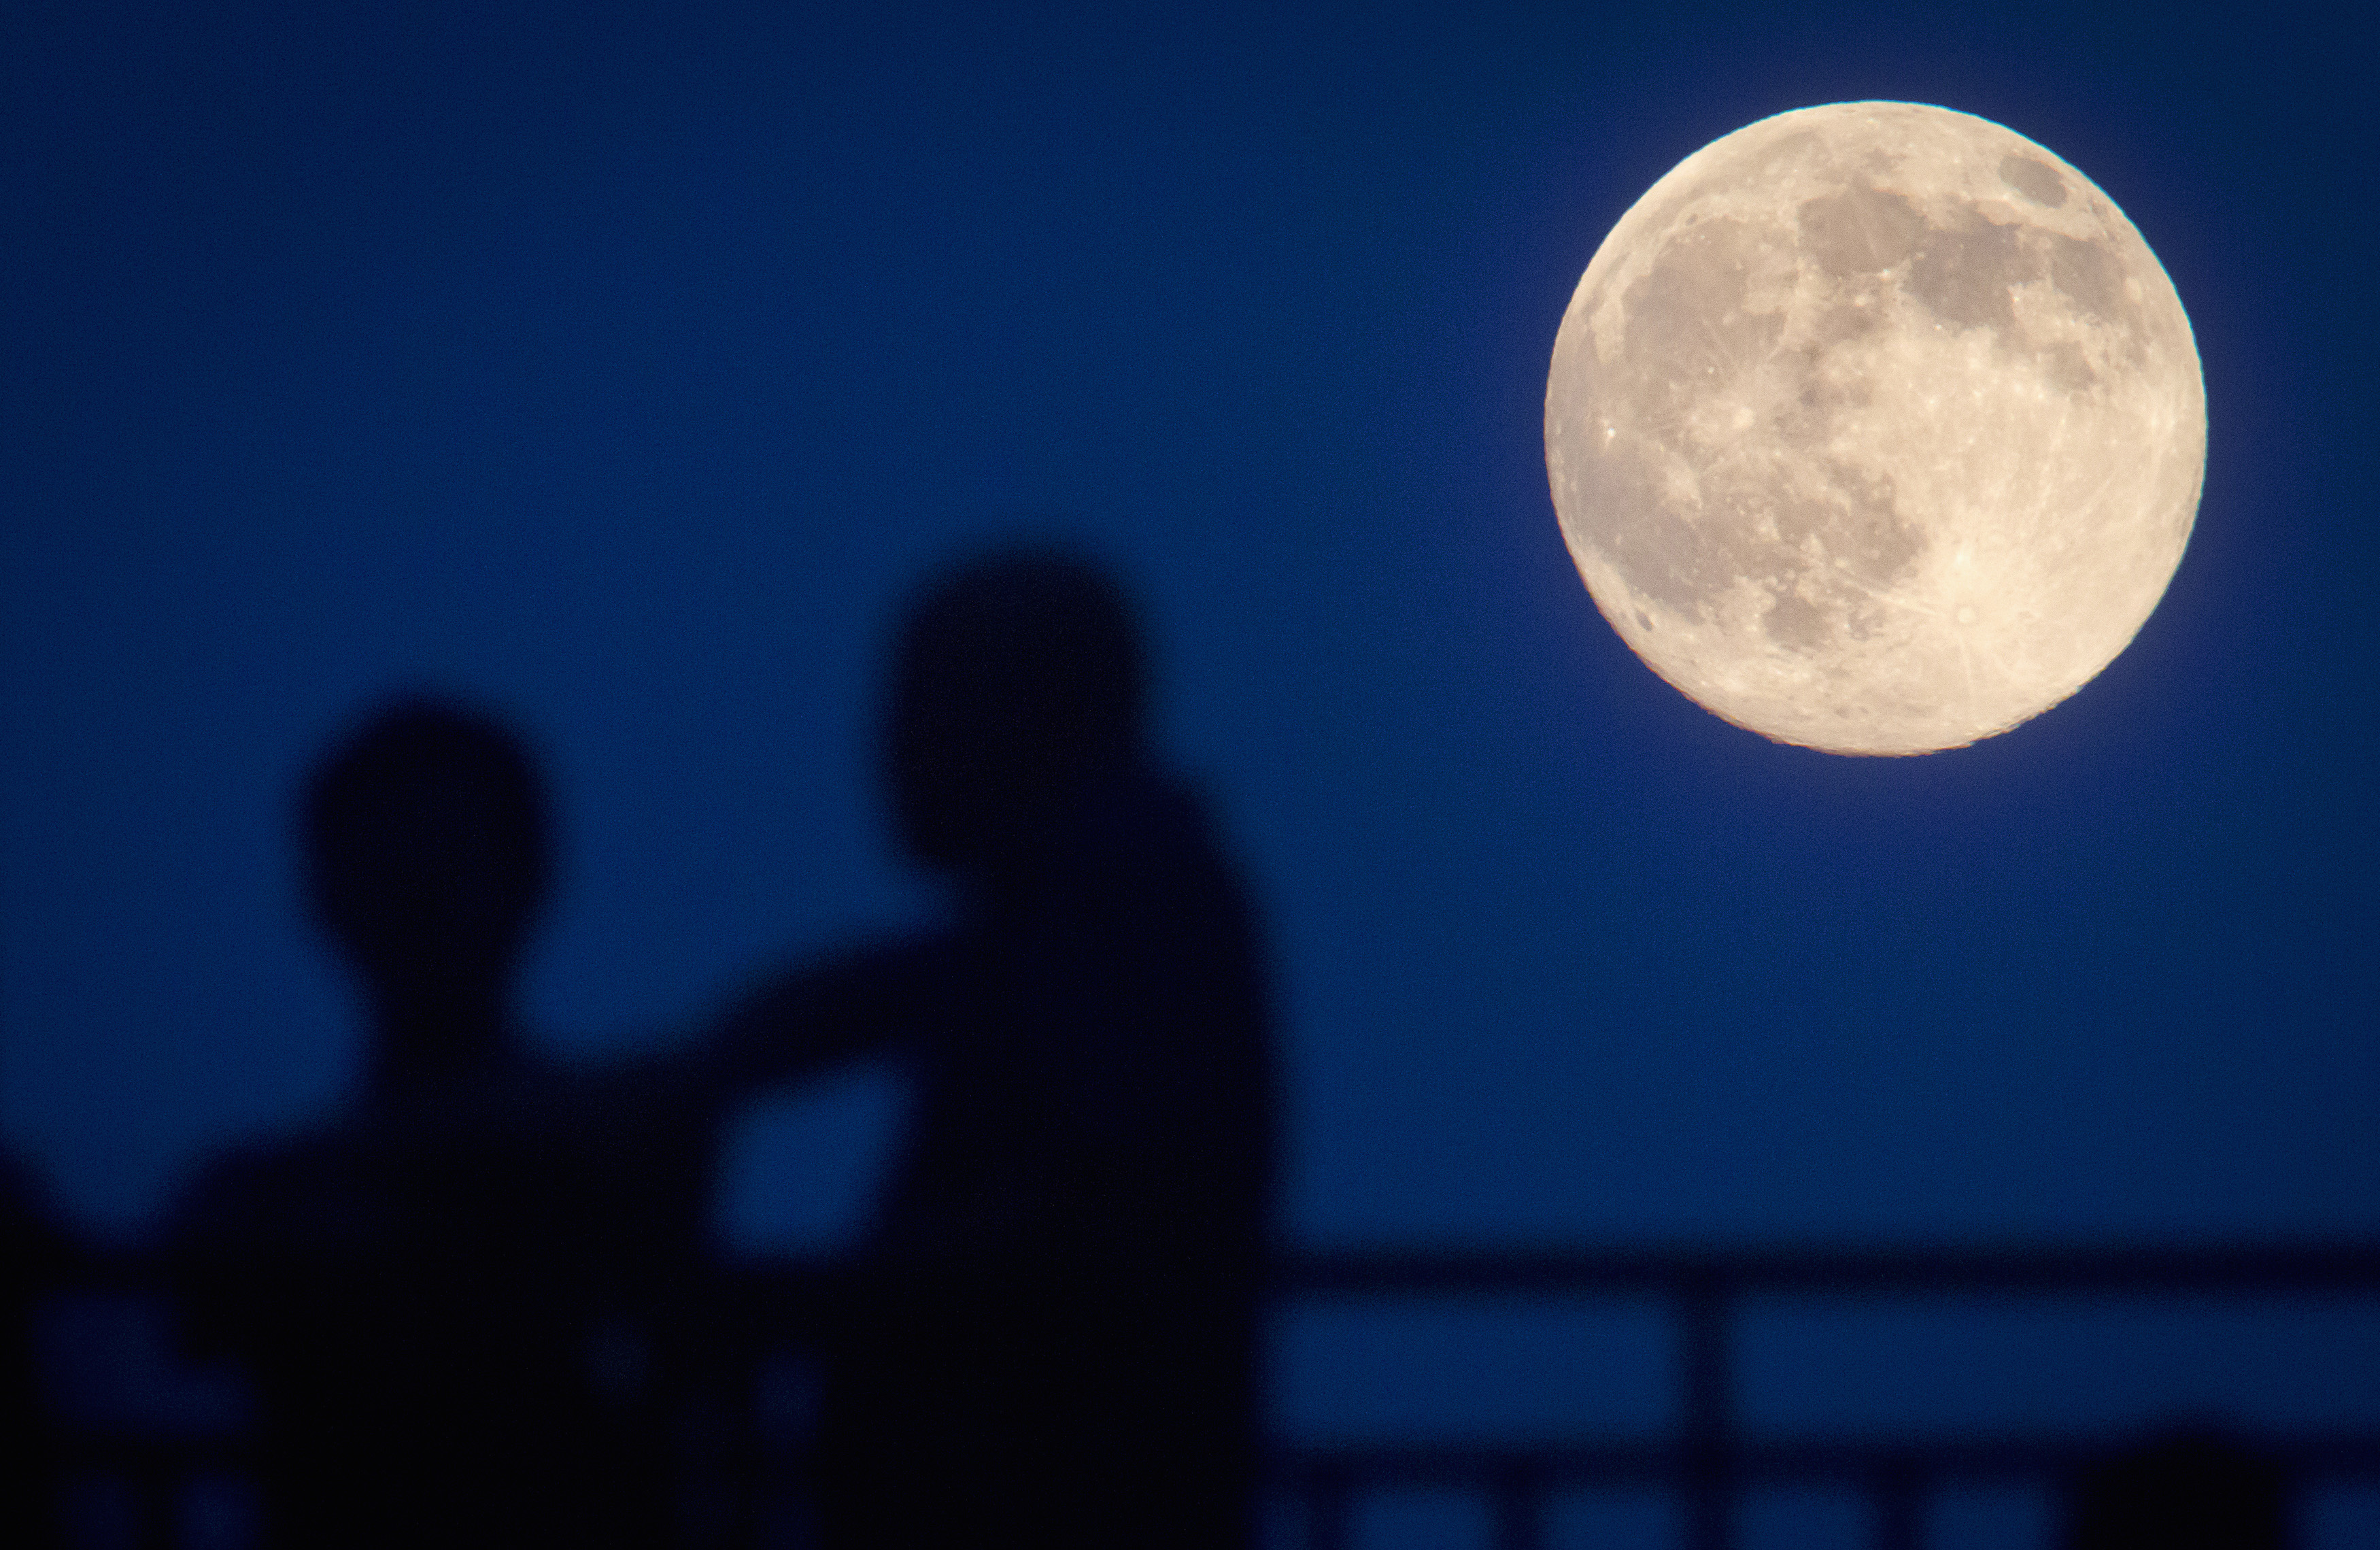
column 625, row 372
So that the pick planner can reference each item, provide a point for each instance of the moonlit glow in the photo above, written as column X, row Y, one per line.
column 1877, row 428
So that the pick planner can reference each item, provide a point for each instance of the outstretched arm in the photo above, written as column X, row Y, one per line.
column 787, row 1029
column 793, row 1026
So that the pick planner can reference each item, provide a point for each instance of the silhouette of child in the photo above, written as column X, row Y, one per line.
column 414, row 1285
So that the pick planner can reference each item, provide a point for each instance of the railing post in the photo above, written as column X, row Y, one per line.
column 1326, row 1509
column 1708, row 1441
column 1519, row 1492
column 156, row 1492
column 1899, row 1497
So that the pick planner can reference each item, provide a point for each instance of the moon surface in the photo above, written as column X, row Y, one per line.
column 1876, row 427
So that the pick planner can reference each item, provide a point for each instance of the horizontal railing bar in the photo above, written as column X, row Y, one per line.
column 2268, row 1268
column 2321, row 1455
column 2279, row 1266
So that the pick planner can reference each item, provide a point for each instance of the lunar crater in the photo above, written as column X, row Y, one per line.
column 1853, row 400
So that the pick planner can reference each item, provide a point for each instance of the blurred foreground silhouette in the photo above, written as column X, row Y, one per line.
column 1052, row 1337
column 421, row 1289
column 472, row 1303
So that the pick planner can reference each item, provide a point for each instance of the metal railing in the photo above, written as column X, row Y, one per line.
column 1709, row 1463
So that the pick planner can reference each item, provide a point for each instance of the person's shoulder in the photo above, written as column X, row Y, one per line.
column 1139, row 820
column 1143, row 800
column 294, row 1186
column 276, row 1161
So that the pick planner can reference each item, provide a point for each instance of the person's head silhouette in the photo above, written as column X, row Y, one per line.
column 427, row 850
column 1016, row 685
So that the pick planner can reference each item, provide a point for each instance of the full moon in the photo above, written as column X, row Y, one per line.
column 1876, row 428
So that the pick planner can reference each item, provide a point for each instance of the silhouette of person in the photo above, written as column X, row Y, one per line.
column 2192, row 1490
column 1051, row 1338
column 415, row 1287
